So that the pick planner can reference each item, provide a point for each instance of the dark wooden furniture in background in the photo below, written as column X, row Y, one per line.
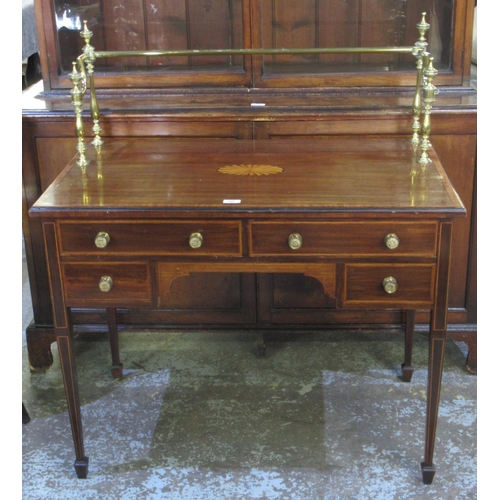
column 325, row 97
column 112, row 241
column 26, row 415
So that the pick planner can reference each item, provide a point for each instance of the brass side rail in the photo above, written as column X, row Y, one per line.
column 82, row 78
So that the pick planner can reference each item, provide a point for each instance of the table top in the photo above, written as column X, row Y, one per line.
column 272, row 176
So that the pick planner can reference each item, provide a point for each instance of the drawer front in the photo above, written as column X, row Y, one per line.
column 187, row 238
column 106, row 284
column 389, row 285
column 344, row 238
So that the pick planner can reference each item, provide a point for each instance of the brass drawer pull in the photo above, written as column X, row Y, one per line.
column 295, row 241
column 195, row 240
column 106, row 283
column 102, row 240
column 391, row 241
column 390, row 284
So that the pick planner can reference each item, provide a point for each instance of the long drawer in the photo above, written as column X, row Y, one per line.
column 221, row 238
column 107, row 284
column 343, row 238
column 389, row 285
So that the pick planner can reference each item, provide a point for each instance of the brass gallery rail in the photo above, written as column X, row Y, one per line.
column 82, row 78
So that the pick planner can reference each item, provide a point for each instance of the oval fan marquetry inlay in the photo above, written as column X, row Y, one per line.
column 250, row 170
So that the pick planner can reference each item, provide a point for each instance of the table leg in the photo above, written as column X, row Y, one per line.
column 64, row 339
column 407, row 368
column 116, row 365
column 437, row 342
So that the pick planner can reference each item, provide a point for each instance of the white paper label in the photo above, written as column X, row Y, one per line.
column 231, row 202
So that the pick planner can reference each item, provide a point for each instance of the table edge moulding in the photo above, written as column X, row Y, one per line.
column 371, row 220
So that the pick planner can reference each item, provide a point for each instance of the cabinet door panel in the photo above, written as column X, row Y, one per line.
column 135, row 25
column 353, row 23
column 166, row 24
column 190, row 24
column 208, row 298
column 345, row 33
column 123, row 22
column 382, row 24
column 292, row 299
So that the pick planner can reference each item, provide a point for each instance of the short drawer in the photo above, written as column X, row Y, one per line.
column 389, row 285
column 343, row 238
column 151, row 238
column 102, row 284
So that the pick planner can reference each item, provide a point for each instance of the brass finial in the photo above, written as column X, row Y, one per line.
column 75, row 76
column 423, row 26
column 86, row 34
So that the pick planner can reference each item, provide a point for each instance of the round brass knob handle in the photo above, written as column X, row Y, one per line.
column 195, row 240
column 390, row 284
column 391, row 241
column 295, row 241
column 106, row 283
column 102, row 240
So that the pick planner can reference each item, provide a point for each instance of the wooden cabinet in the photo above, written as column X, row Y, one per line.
column 233, row 24
column 297, row 97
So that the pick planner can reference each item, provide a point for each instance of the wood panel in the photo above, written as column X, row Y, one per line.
column 166, row 25
column 344, row 34
column 211, row 27
column 357, row 23
column 382, row 24
column 196, row 293
column 290, row 24
column 458, row 154
column 124, row 25
column 51, row 153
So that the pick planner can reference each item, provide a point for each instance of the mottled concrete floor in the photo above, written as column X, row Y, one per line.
column 199, row 416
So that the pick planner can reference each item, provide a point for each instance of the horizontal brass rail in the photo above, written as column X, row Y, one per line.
column 252, row 52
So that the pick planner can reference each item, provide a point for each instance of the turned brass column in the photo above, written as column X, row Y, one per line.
column 419, row 50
